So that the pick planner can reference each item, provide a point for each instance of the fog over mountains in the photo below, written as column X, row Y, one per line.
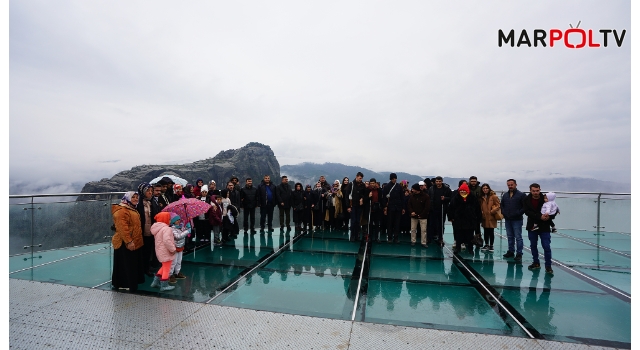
column 308, row 173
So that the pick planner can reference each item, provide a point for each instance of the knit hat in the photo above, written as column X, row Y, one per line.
column 393, row 176
column 174, row 217
column 415, row 187
column 177, row 188
column 204, row 188
column 163, row 216
column 420, row 183
column 463, row 187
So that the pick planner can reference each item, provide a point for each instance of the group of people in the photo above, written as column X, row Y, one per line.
column 149, row 241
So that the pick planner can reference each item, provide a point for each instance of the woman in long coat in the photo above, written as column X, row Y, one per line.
column 464, row 213
column 489, row 206
column 297, row 204
column 127, row 241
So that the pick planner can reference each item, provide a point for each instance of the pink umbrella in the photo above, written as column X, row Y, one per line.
column 187, row 208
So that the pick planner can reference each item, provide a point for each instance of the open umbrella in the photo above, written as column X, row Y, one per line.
column 175, row 179
column 187, row 209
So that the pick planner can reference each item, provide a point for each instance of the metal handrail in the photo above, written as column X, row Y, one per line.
column 62, row 194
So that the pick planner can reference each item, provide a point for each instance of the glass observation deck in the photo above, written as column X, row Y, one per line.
column 66, row 240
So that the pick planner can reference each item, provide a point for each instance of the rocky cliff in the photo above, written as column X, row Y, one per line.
column 253, row 160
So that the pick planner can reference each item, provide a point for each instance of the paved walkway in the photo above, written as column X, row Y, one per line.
column 45, row 315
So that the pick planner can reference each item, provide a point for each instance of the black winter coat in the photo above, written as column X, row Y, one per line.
column 395, row 202
column 466, row 215
column 437, row 204
column 310, row 198
column 359, row 191
column 283, row 195
column 534, row 214
column 249, row 197
column 297, row 200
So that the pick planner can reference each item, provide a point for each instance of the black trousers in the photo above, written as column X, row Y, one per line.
column 488, row 236
column 249, row 214
column 464, row 236
column 282, row 214
column 266, row 214
column 149, row 259
column 393, row 224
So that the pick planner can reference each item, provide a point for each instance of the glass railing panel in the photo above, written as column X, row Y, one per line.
column 20, row 226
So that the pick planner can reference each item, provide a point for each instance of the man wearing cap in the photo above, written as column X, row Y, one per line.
column 393, row 201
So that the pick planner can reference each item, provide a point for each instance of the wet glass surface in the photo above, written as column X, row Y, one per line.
column 318, row 275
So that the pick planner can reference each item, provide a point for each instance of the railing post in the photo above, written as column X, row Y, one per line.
column 598, row 227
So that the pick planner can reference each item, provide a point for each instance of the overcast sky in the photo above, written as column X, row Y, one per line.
column 414, row 86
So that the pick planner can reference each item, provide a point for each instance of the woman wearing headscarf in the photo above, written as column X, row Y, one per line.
column 345, row 201
column 197, row 187
column 334, row 206
column 188, row 191
column 147, row 209
column 319, row 205
column 127, row 241
column 177, row 192
column 309, row 203
column 464, row 213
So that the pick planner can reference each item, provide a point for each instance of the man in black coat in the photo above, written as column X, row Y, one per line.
column 283, row 198
column 440, row 195
column 234, row 195
column 266, row 202
column 249, row 202
column 393, row 203
column 356, row 193
column 533, row 210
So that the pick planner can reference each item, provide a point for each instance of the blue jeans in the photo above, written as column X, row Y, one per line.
column 545, row 241
column 514, row 235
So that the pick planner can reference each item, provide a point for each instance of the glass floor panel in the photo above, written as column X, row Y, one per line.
column 620, row 279
column 517, row 275
column 415, row 269
column 22, row 261
column 303, row 294
column 565, row 315
column 313, row 262
column 202, row 282
column 433, row 306
column 326, row 245
column 88, row 270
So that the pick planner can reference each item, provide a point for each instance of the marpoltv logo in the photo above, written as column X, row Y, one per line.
column 572, row 38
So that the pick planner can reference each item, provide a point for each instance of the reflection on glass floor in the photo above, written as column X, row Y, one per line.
column 318, row 274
